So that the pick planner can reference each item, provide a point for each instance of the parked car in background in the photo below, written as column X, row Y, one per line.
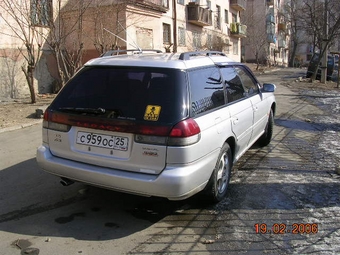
column 336, row 59
column 156, row 124
column 313, row 64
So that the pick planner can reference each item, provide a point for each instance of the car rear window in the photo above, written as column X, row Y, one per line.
column 133, row 93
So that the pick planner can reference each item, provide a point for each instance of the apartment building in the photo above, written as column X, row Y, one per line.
column 94, row 26
column 267, row 38
column 213, row 25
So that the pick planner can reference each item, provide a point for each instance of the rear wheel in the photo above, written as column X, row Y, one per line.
column 219, row 180
column 265, row 139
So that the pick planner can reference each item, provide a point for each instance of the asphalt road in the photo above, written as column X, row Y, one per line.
column 283, row 199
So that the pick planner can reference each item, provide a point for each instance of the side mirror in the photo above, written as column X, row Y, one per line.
column 268, row 87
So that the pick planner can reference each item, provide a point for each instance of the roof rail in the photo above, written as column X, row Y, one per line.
column 135, row 51
column 187, row 55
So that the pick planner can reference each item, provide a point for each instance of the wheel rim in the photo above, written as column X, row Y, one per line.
column 222, row 173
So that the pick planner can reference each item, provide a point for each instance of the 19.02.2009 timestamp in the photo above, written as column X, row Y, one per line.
column 282, row 228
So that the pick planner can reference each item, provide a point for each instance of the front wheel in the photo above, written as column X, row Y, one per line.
column 265, row 139
column 216, row 188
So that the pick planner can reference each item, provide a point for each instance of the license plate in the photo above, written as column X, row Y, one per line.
column 103, row 141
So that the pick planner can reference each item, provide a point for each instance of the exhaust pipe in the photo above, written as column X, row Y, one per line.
column 66, row 182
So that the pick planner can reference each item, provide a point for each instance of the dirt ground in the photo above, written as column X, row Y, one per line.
column 21, row 112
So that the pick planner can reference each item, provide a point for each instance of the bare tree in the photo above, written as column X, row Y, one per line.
column 293, row 14
column 9, row 70
column 312, row 21
column 216, row 41
column 315, row 25
column 65, row 37
column 109, row 22
column 20, row 24
column 79, row 25
column 256, row 40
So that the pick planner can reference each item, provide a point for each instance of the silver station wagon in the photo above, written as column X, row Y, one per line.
column 156, row 124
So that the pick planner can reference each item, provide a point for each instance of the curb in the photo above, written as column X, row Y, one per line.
column 7, row 129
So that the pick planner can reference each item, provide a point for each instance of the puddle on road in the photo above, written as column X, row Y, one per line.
column 67, row 219
column 298, row 124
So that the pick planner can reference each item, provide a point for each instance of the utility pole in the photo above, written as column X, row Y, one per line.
column 325, row 45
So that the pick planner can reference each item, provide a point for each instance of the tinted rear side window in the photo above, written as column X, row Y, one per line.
column 234, row 87
column 206, row 90
column 146, row 94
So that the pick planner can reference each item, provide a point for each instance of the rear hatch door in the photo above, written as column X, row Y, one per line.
column 117, row 117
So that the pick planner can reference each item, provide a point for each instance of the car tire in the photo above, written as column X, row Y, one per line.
column 217, row 186
column 266, row 137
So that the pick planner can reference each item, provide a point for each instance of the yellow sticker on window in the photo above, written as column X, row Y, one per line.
column 152, row 112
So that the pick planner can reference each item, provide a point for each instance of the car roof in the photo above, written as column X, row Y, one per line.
column 156, row 58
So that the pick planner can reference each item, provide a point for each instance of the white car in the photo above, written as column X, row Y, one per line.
column 156, row 124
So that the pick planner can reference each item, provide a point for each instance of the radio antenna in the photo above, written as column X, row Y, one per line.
column 121, row 39
column 136, row 45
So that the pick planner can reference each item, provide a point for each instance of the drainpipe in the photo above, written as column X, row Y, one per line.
column 174, row 15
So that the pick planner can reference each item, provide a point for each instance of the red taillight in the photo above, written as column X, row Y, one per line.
column 46, row 115
column 185, row 128
column 184, row 133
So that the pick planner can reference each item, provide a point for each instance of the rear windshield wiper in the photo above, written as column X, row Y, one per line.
column 83, row 110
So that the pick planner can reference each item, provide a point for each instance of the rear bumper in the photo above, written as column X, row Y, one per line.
column 175, row 182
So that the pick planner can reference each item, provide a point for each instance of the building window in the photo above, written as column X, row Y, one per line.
column 235, row 48
column 41, row 12
column 165, row 3
column 196, row 40
column 218, row 17
column 234, row 18
column 180, row 2
column 166, row 33
column 181, row 36
column 226, row 16
column 209, row 4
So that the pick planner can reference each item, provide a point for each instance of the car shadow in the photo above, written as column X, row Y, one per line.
column 34, row 203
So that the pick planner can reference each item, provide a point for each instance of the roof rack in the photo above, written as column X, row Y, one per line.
column 187, row 55
column 135, row 51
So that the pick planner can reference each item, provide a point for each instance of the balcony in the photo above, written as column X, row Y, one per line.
column 271, row 38
column 239, row 5
column 238, row 30
column 270, row 2
column 198, row 15
column 156, row 5
column 270, row 18
column 282, row 27
column 282, row 43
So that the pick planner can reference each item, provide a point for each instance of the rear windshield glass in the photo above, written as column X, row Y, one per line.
column 134, row 93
